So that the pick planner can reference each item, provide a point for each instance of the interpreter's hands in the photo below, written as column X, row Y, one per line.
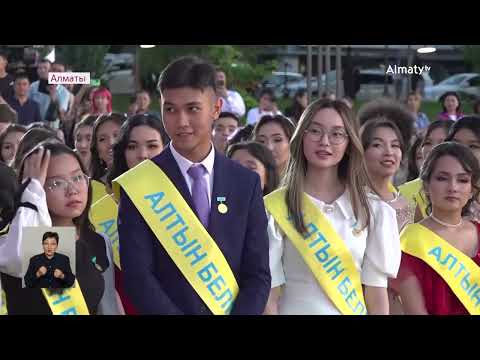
column 36, row 165
column 58, row 274
column 41, row 272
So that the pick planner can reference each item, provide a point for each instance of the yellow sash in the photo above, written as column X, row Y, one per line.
column 334, row 269
column 98, row 191
column 410, row 189
column 69, row 302
column 421, row 201
column 421, row 242
column 3, row 308
column 391, row 188
column 181, row 234
column 413, row 192
column 103, row 215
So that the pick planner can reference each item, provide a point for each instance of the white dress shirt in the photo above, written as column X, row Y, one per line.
column 376, row 254
column 184, row 164
column 233, row 103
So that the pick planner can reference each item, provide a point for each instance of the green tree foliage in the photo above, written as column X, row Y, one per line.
column 240, row 64
column 84, row 57
column 472, row 57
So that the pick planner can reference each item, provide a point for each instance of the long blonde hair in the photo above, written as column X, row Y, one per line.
column 352, row 170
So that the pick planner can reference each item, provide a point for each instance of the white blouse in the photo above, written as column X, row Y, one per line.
column 10, row 245
column 376, row 254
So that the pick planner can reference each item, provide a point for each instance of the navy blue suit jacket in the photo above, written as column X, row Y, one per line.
column 152, row 280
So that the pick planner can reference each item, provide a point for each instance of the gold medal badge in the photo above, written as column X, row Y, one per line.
column 222, row 208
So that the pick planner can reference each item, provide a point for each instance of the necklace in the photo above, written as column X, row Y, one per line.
column 395, row 198
column 446, row 224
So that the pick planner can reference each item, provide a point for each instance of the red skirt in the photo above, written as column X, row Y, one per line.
column 127, row 304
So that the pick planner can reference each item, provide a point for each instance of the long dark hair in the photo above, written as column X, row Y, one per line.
column 297, row 109
column 390, row 110
column 464, row 156
column 471, row 123
column 454, row 94
column 12, row 128
column 243, row 134
column 413, row 170
column 285, row 123
column 351, row 169
column 82, row 222
column 437, row 124
column 8, row 190
column 87, row 121
column 98, row 168
column 119, row 161
column 262, row 154
column 367, row 130
column 31, row 138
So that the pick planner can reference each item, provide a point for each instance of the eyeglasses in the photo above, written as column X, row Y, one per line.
column 335, row 136
column 58, row 185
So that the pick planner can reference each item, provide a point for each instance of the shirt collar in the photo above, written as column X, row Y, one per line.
column 184, row 164
column 343, row 203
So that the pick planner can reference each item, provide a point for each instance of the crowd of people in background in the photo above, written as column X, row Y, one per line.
column 382, row 177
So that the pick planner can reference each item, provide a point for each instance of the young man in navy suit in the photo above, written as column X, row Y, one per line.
column 225, row 197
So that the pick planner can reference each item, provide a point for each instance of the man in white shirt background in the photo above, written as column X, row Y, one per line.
column 266, row 106
column 232, row 100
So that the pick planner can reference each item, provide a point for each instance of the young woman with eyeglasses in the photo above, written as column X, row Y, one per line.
column 59, row 194
column 333, row 246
